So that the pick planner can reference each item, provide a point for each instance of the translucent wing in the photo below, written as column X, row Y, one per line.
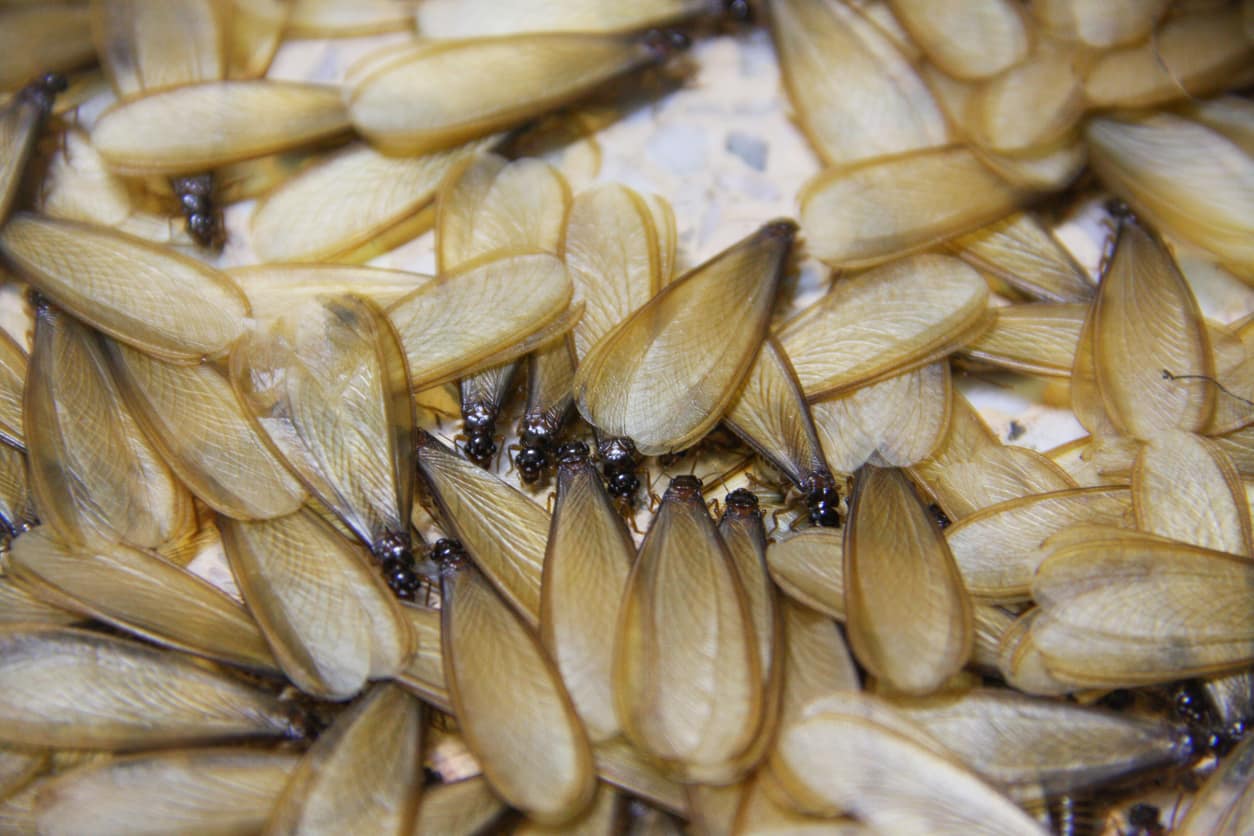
column 147, row 46
column 1020, row 661
column 274, row 290
column 1183, row 177
column 1145, row 321
column 197, row 127
column 656, row 378
column 1189, row 55
column 613, row 257
column 771, row 414
column 491, row 205
column 468, row 806
column 1032, row 339
column 879, row 209
column 884, row 775
column 256, row 28
column 17, row 505
column 193, row 417
column 1102, row 25
column 93, row 472
column 967, row 41
column 586, row 563
column 809, row 568
column 142, row 594
column 479, row 18
column 437, row 94
column 352, row 205
column 999, row 548
column 1186, row 489
column 687, row 678
column 1023, row 254
column 1029, row 745
column 330, row 620
column 75, row 689
column 471, row 319
column 424, row 670
column 511, row 706
column 1104, row 618
column 898, row 421
column 166, row 792
column 908, row 614
column 883, row 322
column 153, row 299
column 1050, row 79
column 333, row 19
column 504, row 531
column 625, row 766
column 43, row 37
column 328, row 386
column 20, row 122
column 1225, row 804
column 857, row 96
column 13, row 362
column 363, row 774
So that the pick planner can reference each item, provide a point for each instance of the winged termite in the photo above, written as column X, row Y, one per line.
column 772, row 416
column 998, row 548
column 857, row 96
column 196, row 127
column 1097, row 626
column 1146, row 319
column 1225, row 804
column 482, row 18
column 482, row 396
column 43, row 37
column 687, row 677
column 99, row 478
column 870, row 212
column 1189, row 55
column 165, row 304
column 1184, row 177
column 908, row 613
column 651, row 381
column 586, row 563
column 327, row 644
column 1029, row 745
column 167, row 792
column 504, row 531
column 897, row 422
column 21, row 121
column 328, row 387
column 550, row 372
column 72, row 688
column 441, row 93
column 362, row 774
column 1022, row 254
column 482, row 316
column 142, row 594
column 1036, row 339
column 853, row 752
column 885, row 321
column 533, row 748
column 461, row 808
column 968, row 42
column 1104, row 25
column 1185, row 488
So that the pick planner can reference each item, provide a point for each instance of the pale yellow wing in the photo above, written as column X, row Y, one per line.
column 1050, row 78
column 197, row 127
column 13, row 362
column 1023, row 254
column 143, row 594
column 1033, row 339
column 330, row 620
column 464, row 807
column 424, row 669
column 76, row 689
column 655, row 379
column 504, row 531
column 473, row 318
column 908, row 614
column 334, row 19
column 883, row 322
column 613, row 258
column 20, row 121
column 274, row 290
column 879, row 209
column 255, row 30
column 146, row 46
column 329, row 388
column 437, row 94
column 509, row 700
column 39, row 38
column 481, row 18
column 363, row 774
column 93, row 473
column 687, row 678
column 1021, row 664
column 968, row 41
column 586, row 563
column 1099, row 24
column 809, row 568
column 340, row 208
column 857, row 96
column 17, row 504
column 168, row 792
column 158, row 301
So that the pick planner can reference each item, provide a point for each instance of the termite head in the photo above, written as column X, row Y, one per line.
column 43, row 91
column 822, row 500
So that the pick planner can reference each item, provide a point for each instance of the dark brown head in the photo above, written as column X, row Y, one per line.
column 449, row 555
column 822, row 499
column 573, row 454
column 666, row 42
column 43, row 91
column 741, row 503
column 686, row 488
